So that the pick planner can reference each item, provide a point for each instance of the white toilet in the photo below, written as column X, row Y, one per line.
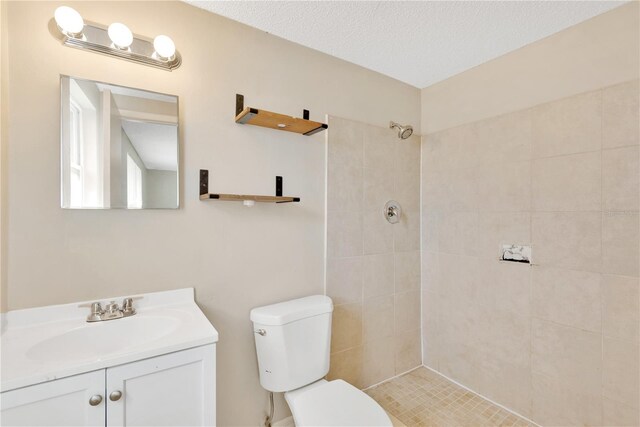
column 293, row 339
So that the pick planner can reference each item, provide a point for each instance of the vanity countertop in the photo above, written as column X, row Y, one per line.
column 46, row 343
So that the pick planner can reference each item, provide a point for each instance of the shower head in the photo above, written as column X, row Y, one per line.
column 404, row 132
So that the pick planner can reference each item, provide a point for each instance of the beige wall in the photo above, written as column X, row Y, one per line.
column 600, row 52
column 236, row 258
column 556, row 341
column 373, row 267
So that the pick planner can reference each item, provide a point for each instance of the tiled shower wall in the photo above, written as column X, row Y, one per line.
column 373, row 267
column 556, row 341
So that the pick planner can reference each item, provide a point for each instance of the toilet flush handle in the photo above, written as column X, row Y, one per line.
column 261, row 332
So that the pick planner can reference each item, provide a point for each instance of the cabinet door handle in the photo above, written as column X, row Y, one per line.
column 95, row 400
column 115, row 395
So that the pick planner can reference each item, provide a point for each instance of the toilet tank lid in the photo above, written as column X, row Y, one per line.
column 290, row 311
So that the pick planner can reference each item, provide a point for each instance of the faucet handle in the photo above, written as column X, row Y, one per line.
column 96, row 308
column 96, row 312
column 127, row 307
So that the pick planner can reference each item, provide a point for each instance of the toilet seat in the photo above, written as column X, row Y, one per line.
column 334, row 403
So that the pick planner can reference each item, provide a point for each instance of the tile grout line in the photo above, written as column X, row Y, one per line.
column 362, row 256
column 531, row 291
column 326, row 205
column 393, row 255
column 601, row 257
column 421, row 255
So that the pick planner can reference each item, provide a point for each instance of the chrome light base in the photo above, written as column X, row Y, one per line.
column 95, row 38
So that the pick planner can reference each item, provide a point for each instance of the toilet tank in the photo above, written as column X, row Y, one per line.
column 293, row 340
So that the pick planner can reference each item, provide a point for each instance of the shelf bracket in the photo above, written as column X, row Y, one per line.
column 316, row 130
column 239, row 103
column 204, row 181
column 204, row 184
column 240, row 107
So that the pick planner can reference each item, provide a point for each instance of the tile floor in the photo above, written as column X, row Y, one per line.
column 424, row 398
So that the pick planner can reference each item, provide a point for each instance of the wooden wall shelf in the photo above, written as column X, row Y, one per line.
column 268, row 119
column 278, row 198
column 243, row 197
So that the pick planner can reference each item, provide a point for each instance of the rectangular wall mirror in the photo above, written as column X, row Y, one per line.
column 119, row 147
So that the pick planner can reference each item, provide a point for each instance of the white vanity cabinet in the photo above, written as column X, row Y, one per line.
column 175, row 389
column 63, row 402
column 155, row 367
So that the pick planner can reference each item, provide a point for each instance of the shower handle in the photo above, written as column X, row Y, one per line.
column 392, row 211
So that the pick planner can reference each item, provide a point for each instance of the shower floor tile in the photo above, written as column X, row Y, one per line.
column 424, row 398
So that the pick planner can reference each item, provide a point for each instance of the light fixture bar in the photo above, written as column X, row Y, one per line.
column 96, row 39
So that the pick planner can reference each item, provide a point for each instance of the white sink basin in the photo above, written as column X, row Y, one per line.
column 46, row 343
column 93, row 340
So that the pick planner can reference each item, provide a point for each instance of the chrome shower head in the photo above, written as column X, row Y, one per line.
column 404, row 132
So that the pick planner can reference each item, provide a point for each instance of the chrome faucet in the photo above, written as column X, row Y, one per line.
column 111, row 311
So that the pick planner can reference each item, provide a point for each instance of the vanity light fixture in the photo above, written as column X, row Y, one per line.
column 164, row 47
column 69, row 21
column 120, row 35
column 115, row 40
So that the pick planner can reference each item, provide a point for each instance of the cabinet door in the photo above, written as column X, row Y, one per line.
column 63, row 402
column 176, row 389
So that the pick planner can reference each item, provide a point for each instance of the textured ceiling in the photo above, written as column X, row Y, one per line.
column 419, row 42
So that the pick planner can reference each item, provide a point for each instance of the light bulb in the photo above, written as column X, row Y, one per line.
column 120, row 35
column 69, row 21
column 164, row 46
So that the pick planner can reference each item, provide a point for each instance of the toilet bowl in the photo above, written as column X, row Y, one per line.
column 293, row 340
column 334, row 403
